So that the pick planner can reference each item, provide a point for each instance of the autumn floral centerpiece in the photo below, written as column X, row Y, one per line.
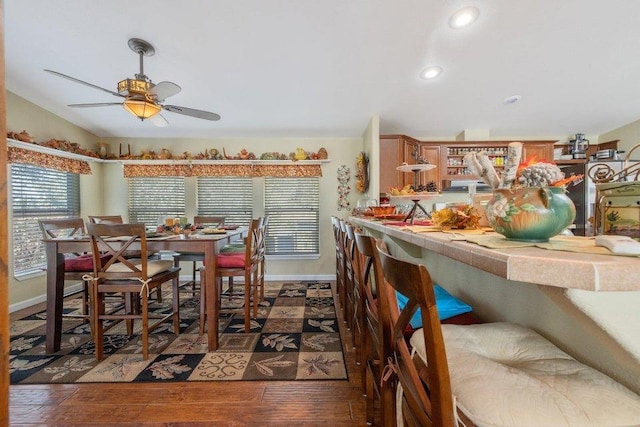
column 457, row 217
column 529, row 200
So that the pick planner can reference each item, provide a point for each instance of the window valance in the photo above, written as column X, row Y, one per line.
column 49, row 161
column 240, row 169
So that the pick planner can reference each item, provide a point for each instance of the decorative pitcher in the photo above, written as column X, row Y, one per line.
column 530, row 214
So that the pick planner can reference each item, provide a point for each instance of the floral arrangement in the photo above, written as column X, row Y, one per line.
column 362, row 172
column 344, row 175
column 535, row 173
column 459, row 217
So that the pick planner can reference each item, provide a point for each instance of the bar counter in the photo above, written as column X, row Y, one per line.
column 569, row 270
column 587, row 304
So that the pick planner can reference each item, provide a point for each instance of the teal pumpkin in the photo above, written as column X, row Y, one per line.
column 530, row 214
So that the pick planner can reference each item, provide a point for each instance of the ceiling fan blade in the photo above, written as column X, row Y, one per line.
column 200, row 114
column 159, row 121
column 95, row 104
column 73, row 79
column 163, row 90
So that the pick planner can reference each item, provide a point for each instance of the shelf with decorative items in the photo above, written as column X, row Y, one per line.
column 150, row 164
column 452, row 155
column 65, row 149
column 74, row 151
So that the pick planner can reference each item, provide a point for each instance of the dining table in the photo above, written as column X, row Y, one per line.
column 207, row 244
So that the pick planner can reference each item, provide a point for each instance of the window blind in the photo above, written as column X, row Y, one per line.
column 38, row 193
column 231, row 197
column 293, row 207
column 153, row 198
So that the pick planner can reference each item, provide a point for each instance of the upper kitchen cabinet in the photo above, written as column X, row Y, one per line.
column 394, row 150
column 452, row 155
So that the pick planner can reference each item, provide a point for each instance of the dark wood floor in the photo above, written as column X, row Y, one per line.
column 232, row 403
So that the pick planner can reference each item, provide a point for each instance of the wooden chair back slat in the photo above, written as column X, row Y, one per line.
column 109, row 219
column 427, row 399
column 102, row 241
column 209, row 220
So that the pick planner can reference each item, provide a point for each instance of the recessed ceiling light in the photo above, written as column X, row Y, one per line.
column 511, row 99
column 431, row 72
column 464, row 17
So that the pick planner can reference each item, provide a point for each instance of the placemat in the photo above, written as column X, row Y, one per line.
column 558, row 243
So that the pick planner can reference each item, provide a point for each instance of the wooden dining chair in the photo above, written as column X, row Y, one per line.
column 240, row 264
column 127, row 276
column 348, row 248
column 109, row 219
column 353, row 295
column 76, row 265
column 376, row 341
column 117, row 219
column 337, row 235
column 195, row 257
column 497, row 374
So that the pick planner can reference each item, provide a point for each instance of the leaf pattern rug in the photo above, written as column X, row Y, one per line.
column 295, row 337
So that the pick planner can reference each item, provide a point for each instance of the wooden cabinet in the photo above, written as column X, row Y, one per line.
column 447, row 156
column 394, row 150
column 452, row 154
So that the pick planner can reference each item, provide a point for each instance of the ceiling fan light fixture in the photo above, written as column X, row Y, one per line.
column 141, row 108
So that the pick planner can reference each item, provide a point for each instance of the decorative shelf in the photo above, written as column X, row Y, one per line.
column 69, row 155
column 52, row 151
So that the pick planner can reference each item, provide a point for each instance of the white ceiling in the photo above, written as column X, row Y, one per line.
column 322, row 68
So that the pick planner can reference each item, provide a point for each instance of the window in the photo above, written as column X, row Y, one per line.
column 38, row 193
column 155, row 197
column 231, row 197
column 293, row 207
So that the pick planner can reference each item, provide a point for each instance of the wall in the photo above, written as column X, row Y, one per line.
column 341, row 151
column 43, row 125
column 629, row 136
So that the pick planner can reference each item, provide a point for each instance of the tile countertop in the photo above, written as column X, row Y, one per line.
column 561, row 269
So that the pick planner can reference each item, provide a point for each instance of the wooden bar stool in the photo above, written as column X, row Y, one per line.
column 496, row 374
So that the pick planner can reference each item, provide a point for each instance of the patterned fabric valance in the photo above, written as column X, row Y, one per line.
column 49, row 161
column 292, row 170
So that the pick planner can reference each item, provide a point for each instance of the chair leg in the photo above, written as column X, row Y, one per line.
column 193, row 280
column 370, row 396
column 203, row 312
column 247, row 303
column 145, row 326
column 98, row 310
column 176, row 305
column 129, row 307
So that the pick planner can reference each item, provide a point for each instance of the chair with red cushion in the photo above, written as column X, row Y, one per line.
column 75, row 265
column 240, row 264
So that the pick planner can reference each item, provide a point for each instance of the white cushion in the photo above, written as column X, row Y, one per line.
column 506, row 375
column 153, row 267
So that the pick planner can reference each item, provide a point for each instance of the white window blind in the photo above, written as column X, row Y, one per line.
column 293, row 207
column 231, row 197
column 155, row 197
column 38, row 193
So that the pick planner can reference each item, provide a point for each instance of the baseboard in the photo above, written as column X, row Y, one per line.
column 42, row 298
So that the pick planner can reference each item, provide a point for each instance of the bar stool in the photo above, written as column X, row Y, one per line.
column 497, row 374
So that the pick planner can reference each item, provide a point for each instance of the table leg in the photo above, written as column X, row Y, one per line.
column 55, row 297
column 211, row 298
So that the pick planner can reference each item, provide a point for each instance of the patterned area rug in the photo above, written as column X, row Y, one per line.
column 295, row 337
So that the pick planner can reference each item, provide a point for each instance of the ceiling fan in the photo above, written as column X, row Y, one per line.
column 143, row 98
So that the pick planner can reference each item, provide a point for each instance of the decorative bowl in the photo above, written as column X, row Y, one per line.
column 382, row 210
column 530, row 214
